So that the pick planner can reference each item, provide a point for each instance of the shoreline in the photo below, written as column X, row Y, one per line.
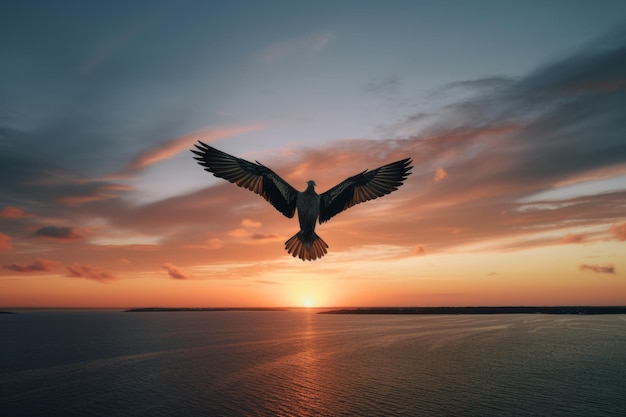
column 168, row 309
column 481, row 310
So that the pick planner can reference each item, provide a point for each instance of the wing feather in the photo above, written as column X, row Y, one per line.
column 252, row 176
column 362, row 187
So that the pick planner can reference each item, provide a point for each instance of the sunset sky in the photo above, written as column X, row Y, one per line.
column 512, row 111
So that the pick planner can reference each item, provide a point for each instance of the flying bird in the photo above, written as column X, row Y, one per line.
column 311, row 206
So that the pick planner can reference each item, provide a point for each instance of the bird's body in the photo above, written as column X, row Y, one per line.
column 311, row 206
column 306, row 244
column 308, row 206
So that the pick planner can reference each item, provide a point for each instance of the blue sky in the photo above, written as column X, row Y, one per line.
column 514, row 102
column 132, row 74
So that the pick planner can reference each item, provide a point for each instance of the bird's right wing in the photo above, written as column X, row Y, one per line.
column 253, row 176
column 362, row 187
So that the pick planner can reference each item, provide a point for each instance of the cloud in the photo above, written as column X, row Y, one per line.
column 261, row 236
column 440, row 174
column 608, row 269
column 572, row 238
column 175, row 272
column 5, row 243
column 305, row 44
column 502, row 148
column 250, row 223
column 387, row 85
column 619, row 231
column 239, row 232
column 266, row 282
column 91, row 193
column 40, row 265
column 418, row 250
column 89, row 272
column 244, row 232
column 58, row 232
column 110, row 47
column 215, row 243
column 481, row 83
column 170, row 148
column 10, row 212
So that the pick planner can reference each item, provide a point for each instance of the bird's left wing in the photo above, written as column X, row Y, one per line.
column 253, row 176
column 362, row 187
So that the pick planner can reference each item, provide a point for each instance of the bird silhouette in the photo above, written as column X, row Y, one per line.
column 305, row 244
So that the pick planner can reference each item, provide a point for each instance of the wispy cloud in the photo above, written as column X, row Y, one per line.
column 89, row 272
column 303, row 44
column 91, row 192
column 388, row 85
column 607, row 269
column 481, row 83
column 40, row 265
column 440, row 174
column 418, row 250
column 572, row 238
column 174, row 272
column 108, row 48
column 251, row 223
column 5, row 243
column 58, row 232
column 172, row 147
column 619, row 231
column 10, row 212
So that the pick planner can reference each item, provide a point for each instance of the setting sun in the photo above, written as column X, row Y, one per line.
column 308, row 302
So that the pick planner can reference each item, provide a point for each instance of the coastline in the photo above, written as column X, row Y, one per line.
column 481, row 310
column 168, row 309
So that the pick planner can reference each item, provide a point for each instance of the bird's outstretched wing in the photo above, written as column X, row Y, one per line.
column 253, row 176
column 362, row 187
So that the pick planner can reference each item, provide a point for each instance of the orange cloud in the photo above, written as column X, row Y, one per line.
column 215, row 243
column 89, row 272
column 418, row 250
column 175, row 272
column 261, row 236
column 5, row 243
column 440, row 174
column 73, row 201
column 492, row 183
column 40, row 265
column 619, row 231
column 250, row 223
column 170, row 148
column 239, row 232
column 10, row 212
column 608, row 269
column 572, row 238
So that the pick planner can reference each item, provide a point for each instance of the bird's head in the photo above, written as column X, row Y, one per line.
column 311, row 183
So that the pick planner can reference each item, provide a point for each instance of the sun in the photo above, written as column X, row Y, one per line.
column 308, row 302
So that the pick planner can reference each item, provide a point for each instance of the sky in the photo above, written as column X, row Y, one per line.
column 513, row 114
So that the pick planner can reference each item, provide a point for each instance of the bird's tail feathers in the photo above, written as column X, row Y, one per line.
column 306, row 248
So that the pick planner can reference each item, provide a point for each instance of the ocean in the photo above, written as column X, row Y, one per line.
column 299, row 363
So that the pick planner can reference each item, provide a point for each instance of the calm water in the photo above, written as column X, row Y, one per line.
column 304, row 364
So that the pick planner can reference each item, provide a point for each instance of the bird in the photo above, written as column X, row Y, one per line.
column 311, row 206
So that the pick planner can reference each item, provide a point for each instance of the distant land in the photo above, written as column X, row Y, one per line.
column 393, row 310
column 480, row 310
column 157, row 309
